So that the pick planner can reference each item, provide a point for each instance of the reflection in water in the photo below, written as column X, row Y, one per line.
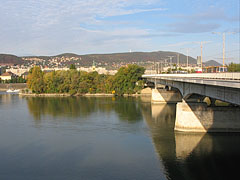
column 187, row 142
column 62, row 106
column 83, row 107
column 77, row 138
column 191, row 155
column 160, row 120
column 106, row 138
column 7, row 99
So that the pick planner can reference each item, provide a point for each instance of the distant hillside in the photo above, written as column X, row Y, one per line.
column 127, row 57
column 87, row 60
column 212, row 63
column 8, row 59
column 136, row 57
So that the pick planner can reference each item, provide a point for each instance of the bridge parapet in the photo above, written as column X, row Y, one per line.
column 226, row 75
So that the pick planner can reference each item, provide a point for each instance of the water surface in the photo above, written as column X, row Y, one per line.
column 106, row 138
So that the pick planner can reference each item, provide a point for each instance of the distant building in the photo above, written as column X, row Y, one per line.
column 100, row 70
column 18, row 71
column 24, row 75
column 7, row 76
column 93, row 66
column 198, row 60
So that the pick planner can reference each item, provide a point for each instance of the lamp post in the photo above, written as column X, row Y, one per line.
column 224, row 37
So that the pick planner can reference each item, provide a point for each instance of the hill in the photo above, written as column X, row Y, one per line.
column 8, row 59
column 212, row 63
column 136, row 57
column 115, row 58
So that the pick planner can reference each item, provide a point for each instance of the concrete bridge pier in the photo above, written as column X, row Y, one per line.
column 165, row 96
column 198, row 117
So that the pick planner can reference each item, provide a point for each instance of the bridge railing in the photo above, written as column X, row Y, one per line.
column 226, row 75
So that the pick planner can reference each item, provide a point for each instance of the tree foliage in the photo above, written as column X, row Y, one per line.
column 35, row 80
column 126, row 81
column 72, row 66
column 233, row 67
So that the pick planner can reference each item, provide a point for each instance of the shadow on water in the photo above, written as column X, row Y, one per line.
column 72, row 107
column 191, row 155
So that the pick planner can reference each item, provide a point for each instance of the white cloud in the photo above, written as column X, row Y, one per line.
column 179, row 44
column 43, row 13
column 192, row 27
column 70, row 25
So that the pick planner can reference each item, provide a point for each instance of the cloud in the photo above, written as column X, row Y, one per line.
column 210, row 14
column 124, row 33
column 207, row 14
column 49, row 27
column 192, row 27
column 207, row 20
column 44, row 13
column 179, row 44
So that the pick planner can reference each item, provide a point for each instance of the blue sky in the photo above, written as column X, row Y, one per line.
column 50, row 27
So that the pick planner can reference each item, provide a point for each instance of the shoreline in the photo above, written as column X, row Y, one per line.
column 45, row 95
column 85, row 95
column 144, row 92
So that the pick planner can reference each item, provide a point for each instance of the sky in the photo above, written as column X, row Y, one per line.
column 51, row 27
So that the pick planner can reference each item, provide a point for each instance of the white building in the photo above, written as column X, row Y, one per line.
column 6, row 76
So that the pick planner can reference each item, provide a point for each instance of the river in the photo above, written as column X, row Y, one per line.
column 106, row 138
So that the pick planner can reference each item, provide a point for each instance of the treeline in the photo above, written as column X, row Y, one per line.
column 126, row 81
column 233, row 67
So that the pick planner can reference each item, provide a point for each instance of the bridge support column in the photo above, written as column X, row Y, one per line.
column 212, row 101
column 164, row 96
column 198, row 117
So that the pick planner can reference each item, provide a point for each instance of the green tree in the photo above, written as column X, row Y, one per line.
column 233, row 67
column 83, row 84
column 51, row 82
column 72, row 66
column 125, row 79
column 35, row 80
column 74, row 82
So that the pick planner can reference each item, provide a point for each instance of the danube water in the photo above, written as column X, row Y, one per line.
column 106, row 138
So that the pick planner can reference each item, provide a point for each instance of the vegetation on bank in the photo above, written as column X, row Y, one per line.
column 233, row 67
column 126, row 81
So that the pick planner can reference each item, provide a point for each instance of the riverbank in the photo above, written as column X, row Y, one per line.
column 45, row 95
column 86, row 95
column 6, row 86
column 144, row 92
column 63, row 95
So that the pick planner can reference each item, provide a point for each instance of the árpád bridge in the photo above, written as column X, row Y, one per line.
column 221, row 86
column 193, row 114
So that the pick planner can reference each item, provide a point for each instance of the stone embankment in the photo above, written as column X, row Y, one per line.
column 5, row 87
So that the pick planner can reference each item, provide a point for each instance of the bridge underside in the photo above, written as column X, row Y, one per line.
column 226, row 94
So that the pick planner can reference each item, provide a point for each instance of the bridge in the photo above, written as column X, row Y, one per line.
column 192, row 113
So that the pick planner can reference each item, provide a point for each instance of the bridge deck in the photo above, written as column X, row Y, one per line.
column 225, row 76
column 231, row 80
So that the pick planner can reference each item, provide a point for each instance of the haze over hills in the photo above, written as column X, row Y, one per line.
column 87, row 60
